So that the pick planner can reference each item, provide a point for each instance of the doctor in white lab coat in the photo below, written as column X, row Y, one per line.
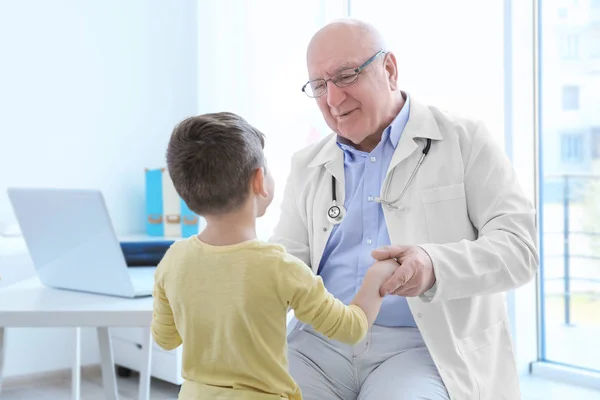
column 459, row 226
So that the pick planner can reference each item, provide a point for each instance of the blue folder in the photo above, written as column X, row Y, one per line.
column 189, row 221
column 154, row 203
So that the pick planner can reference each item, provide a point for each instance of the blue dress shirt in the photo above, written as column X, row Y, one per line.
column 347, row 255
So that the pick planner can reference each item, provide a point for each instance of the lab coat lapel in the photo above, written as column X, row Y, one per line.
column 406, row 146
column 332, row 158
column 421, row 124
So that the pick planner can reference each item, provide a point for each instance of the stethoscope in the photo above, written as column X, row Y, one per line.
column 336, row 213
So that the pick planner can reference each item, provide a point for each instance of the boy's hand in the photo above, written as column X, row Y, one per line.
column 380, row 272
column 368, row 297
column 415, row 275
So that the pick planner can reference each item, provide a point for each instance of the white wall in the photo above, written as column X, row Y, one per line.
column 89, row 93
column 449, row 53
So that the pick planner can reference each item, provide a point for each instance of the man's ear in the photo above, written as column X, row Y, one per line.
column 391, row 70
column 259, row 182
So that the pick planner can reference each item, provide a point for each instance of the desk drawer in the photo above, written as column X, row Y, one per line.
column 166, row 365
column 133, row 335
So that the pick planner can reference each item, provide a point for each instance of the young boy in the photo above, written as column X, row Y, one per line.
column 223, row 293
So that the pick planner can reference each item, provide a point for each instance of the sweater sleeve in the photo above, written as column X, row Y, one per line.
column 305, row 293
column 163, row 326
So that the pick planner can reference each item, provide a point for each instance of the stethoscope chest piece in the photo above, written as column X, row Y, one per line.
column 335, row 213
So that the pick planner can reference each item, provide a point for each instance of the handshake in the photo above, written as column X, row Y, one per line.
column 399, row 270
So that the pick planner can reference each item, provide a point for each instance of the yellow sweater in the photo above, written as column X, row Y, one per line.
column 228, row 306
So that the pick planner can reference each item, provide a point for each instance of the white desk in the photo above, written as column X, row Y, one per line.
column 30, row 304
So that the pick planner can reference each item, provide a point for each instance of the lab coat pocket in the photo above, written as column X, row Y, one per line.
column 443, row 193
column 490, row 358
column 446, row 214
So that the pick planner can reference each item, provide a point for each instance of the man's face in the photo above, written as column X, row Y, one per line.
column 359, row 110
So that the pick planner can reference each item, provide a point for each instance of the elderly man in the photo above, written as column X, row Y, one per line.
column 437, row 187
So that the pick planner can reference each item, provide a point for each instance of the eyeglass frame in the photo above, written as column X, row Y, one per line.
column 337, row 77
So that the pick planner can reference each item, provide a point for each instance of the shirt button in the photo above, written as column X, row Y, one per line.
column 369, row 241
column 373, row 159
column 419, row 315
column 370, row 198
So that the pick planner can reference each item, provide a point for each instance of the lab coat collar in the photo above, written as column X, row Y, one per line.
column 331, row 156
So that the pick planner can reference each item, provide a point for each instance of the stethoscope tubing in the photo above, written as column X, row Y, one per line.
column 335, row 208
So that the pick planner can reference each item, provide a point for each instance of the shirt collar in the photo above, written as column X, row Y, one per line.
column 351, row 150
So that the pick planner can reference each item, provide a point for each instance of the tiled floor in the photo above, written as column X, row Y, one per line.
column 91, row 389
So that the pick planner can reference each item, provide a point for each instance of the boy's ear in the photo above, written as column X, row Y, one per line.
column 258, row 182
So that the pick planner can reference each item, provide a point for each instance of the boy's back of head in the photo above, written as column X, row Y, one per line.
column 211, row 159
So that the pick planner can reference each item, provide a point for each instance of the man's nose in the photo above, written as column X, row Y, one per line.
column 335, row 95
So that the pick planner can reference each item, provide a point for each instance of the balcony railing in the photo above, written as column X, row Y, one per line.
column 573, row 191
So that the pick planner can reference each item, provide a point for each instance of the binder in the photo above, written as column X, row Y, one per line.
column 154, row 202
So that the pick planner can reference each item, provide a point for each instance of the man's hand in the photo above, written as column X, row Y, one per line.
column 415, row 274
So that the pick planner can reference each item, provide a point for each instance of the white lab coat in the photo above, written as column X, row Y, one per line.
column 467, row 210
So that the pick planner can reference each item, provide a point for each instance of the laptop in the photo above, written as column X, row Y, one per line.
column 73, row 245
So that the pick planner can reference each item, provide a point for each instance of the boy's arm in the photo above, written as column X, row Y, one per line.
column 164, row 331
column 313, row 304
column 305, row 293
column 368, row 297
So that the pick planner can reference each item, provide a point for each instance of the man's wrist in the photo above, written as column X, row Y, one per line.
column 432, row 284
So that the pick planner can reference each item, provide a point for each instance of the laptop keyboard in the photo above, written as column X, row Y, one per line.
column 142, row 279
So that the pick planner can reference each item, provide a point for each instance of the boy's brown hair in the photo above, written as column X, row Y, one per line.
column 211, row 159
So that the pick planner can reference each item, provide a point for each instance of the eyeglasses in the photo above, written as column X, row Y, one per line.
column 345, row 77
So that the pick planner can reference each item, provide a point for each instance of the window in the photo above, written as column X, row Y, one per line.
column 595, row 140
column 594, row 45
column 569, row 47
column 563, row 12
column 595, row 12
column 572, row 148
column 569, row 223
column 570, row 98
